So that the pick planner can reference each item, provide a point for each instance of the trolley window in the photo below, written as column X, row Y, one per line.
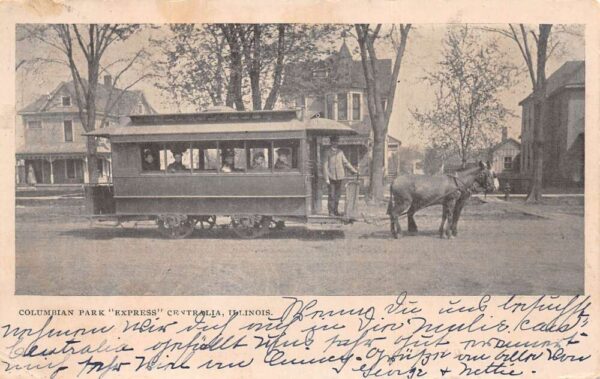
column 286, row 155
column 178, row 158
column 259, row 156
column 233, row 156
column 151, row 157
column 220, row 156
column 205, row 157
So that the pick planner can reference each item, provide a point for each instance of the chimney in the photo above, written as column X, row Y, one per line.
column 108, row 81
column 504, row 133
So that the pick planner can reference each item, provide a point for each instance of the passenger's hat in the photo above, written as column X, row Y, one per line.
column 334, row 139
column 283, row 151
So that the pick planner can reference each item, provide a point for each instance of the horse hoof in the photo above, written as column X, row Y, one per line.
column 451, row 237
column 412, row 233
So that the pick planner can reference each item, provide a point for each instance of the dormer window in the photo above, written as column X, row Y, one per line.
column 66, row 101
column 320, row 74
column 140, row 108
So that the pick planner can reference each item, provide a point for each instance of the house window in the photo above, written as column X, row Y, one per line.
column 140, row 108
column 356, row 106
column 34, row 124
column 507, row 163
column 342, row 106
column 100, row 166
column 68, row 127
column 329, row 106
column 66, row 101
column 70, row 168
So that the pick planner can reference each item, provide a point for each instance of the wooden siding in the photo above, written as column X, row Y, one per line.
column 211, row 185
column 263, row 206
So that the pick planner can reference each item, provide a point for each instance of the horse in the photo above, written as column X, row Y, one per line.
column 410, row 193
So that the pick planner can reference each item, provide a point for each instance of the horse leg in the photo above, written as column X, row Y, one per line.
column 451, row 205
column 392, row 212
column 460, row 204
column 393, row 221
column 444, row 216
column 412, row 225
column 395, row 213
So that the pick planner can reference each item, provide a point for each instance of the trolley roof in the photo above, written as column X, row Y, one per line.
column 223, row 123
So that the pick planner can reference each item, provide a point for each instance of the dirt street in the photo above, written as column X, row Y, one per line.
column 499, row 251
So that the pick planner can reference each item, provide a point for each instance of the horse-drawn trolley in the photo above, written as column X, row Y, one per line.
column 259, row 169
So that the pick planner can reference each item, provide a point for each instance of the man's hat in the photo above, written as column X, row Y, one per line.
column 228, row 153
column 334, row 139
column 283, row 151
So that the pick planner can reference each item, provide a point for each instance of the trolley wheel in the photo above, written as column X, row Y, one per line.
column 175, row 226
column 249, row 227
column 207, row 222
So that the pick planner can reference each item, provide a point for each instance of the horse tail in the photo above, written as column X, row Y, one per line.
column 391, row 203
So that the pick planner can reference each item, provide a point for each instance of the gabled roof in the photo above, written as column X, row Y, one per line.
column 126, row 104
column 392, row 139
column 301, row 74
column 502, row 143
column 344, row 52
column 569, row 75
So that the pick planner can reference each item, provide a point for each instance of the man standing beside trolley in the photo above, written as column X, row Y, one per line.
column 333, row 171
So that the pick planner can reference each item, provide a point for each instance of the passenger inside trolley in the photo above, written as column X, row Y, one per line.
column 283, row 160
column 228, row 161
column 177, row 165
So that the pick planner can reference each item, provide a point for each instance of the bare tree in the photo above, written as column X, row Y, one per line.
column 467, row 111
column 380, row 115
column 536, row 68
column 82, row 49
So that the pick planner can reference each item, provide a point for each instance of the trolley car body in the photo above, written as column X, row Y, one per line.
column 202, row 184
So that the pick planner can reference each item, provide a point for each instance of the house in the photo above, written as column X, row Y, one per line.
column 503, row 154
column 564, row 127
column 53, row 150
column 335, row 88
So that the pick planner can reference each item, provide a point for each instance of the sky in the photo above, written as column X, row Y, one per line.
column 422, row 54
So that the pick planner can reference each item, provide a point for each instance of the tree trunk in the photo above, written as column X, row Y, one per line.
column 404, row 29
column 377, row 163
column 236, row 79
column 278, row 72
column 254, row 69
column 376, row 113
column 535, row 191
column 234, row 92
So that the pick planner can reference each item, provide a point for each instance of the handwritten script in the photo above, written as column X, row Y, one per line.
column 464, row 337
